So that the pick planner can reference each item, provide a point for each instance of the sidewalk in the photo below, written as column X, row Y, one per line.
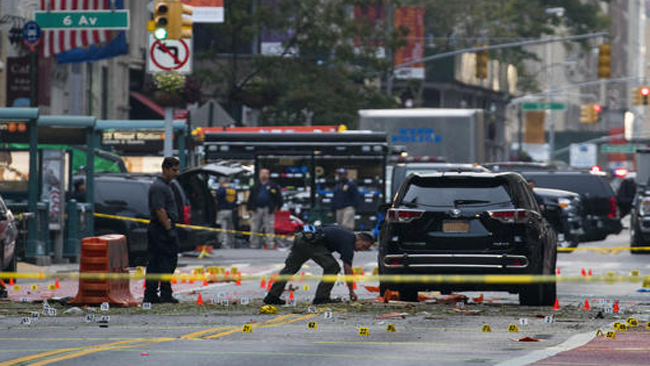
column 630, row 348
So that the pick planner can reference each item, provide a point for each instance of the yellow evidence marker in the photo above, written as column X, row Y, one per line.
column 34, row 287
column 486, row 329
column 247, row 328
column 610, row 334
column 512, row 328
column 51, row 287
column 312, row 325
column 600, row 333
column 632, row 322
column 364, row 331
column 390, row 328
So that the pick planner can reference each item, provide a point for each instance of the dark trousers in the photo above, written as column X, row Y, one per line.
column 301, row 252
column 163, row 256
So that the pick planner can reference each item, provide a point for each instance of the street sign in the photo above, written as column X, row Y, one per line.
column 543, row 106
column 83, row 19
column 32, row 34
column 583, row 155
column 169, row 55
column 622, row 148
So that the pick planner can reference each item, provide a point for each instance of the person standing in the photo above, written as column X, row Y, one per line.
column 319, row 248
column 162, row 239
column 346, row 199
column 264, row 199
column 225, row 198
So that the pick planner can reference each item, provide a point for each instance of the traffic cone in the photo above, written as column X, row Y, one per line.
column 590, row 273
column 291, row 295
column 56, row 283
column 263, row 282
column 271, row 282
column 238, row 283
column 615, row 308
column 144, row 285
column 11, row 282
column 583, row 272
column 227, row 274
column 557, row 271
column 205, row 281
column 173, row 281
column 556, row 306
column 586, row 307
column 199, row 301
column 354, row 285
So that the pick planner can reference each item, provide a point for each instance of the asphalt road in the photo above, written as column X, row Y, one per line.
column 426, row 333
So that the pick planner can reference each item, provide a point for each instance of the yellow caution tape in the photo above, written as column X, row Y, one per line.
column 196, row 227
column 523, row 279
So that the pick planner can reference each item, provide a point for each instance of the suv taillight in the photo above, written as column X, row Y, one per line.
column 403, row 215
column 187, row 215
column 518, row 216
column 613, row 208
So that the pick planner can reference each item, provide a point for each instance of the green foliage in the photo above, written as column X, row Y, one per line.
column 324, row 67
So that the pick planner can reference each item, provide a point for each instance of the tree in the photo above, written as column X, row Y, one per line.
column 324, row 71
column 471, row 22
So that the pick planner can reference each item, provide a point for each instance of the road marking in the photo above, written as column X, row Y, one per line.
column 99, row 349
column 571, row 343
column 275, row 323
column 199, row 334
column 59, row 351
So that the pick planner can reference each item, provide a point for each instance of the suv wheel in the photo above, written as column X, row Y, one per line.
column 408, row 294
column 543, row 294
column 636, row 240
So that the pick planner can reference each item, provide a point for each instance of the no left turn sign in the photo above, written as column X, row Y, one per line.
column 169, row 55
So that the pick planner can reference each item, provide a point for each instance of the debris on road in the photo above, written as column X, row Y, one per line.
column 392, row 315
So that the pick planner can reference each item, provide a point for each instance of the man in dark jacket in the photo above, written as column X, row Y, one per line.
column 319, row 248
column 162, row 239
column 264, row 199
column 346, row 199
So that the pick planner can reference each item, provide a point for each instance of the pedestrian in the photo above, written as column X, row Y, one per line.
column 538, row 198
column 225, row 198
column 264, row 199
column 79, row 193
column 346, row 199
column 162, row 239
column 319, row 247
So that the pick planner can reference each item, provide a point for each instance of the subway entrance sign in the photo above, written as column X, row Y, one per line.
column 14, row 131
column 543, row 106
column 83, row 19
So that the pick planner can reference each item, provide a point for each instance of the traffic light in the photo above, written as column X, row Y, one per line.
column 604, row 61
column 590, row 113
column 644, row 93
column 481, row 64
column 180, row 20
column 161, row 11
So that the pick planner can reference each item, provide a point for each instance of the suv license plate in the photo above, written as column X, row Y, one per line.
column 455, row 226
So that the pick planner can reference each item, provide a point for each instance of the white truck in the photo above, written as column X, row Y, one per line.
column 455, row 135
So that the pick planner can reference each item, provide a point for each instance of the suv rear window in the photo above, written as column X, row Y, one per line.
column 451, row 192
column 134, row 193
column 579, row 183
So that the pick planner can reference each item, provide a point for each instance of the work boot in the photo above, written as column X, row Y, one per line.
column 326, row 301
column 153, row 300
column 273, row 300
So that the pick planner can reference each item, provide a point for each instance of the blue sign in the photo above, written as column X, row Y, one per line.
column 416, row 135
column 31, row 33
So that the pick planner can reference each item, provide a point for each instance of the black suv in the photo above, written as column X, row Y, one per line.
column 563, row 210
column 127, row 194
column 403, row 170
column 600, row 210
column 467, row 223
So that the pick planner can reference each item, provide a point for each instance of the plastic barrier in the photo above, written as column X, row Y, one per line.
column 104, row 254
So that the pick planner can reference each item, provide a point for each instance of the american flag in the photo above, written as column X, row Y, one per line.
column 57, row 41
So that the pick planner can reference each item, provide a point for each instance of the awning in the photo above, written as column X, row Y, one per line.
column 148, row 103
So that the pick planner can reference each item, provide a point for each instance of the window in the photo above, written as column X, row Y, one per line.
column 452, row 192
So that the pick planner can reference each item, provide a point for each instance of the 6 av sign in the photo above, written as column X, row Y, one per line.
column 83, row 19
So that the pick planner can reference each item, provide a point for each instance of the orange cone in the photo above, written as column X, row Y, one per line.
column 205, row 281
column 11, row 282
column 227, row 273
column 173, row 281
column 144, row 285
column 291, row 295
column 616, row 308
column 199, row 301
column 271, row 282
column 556, row 306
column 263, row 282
column 586, row 307
column 590, row 273
column 354, row 285
column 56, row 283
column 238, row 283
column 557, row 271
column 583, row 272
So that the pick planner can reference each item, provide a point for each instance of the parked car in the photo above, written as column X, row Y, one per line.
column 563, row 210
column 402, row 170
column 519, row 166
column 8, row 235
column 640, row 221
column 600, row 215
column 467, row 223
